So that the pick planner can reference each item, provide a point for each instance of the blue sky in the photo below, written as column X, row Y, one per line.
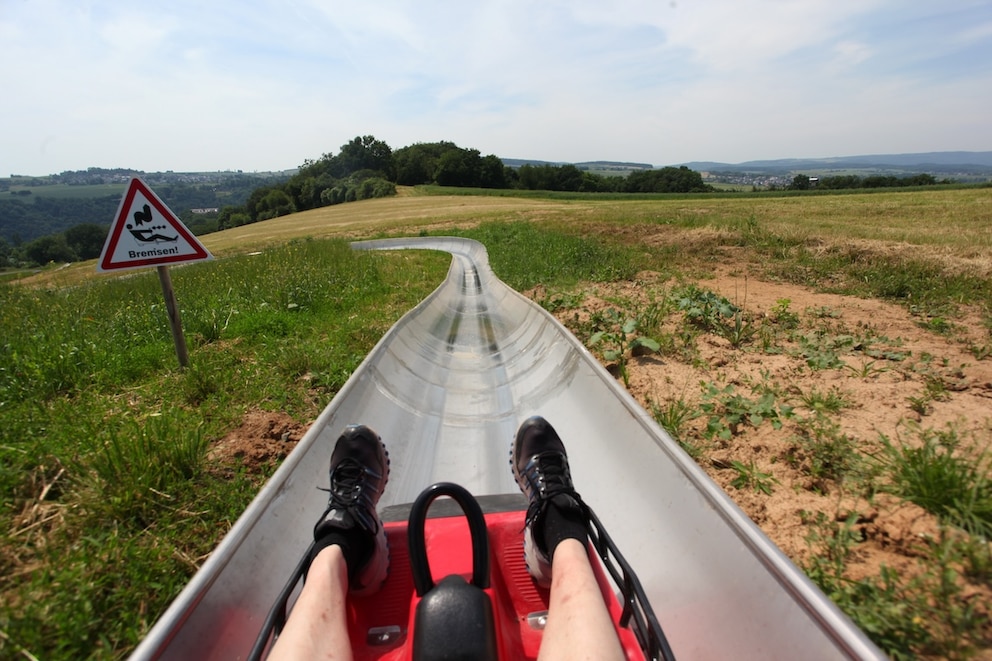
column 263, row 85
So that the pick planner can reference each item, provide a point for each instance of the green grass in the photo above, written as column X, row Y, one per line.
column 89, row 383
column 108, row 502
column 907, row 616
column 108, row 505
column 524, row 254
column 944, row 478
column 64, row 191
column 674, row 415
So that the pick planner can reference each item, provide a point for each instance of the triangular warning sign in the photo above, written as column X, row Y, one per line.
column 146, row 233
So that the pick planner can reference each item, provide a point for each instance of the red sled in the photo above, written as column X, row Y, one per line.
column 458, row 587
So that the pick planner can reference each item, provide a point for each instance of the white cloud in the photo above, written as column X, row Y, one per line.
column 265, row 84
column 849, row 54
column 976, row 33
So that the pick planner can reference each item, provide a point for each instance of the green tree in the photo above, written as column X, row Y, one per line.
column 375, row 187
column 536, row 177
column 881, row 181
column 232, row 216
column 365, row 153
column 275, row 203
column 492, row 172
column 840, row 182
column 6, row 253
column 921, row 180
column 332, row 196
column 666, row 180
column 567, row 178
column 51, row 248
column 800, row 182
column 86, row 240
column 459, row 167
column 417, row 163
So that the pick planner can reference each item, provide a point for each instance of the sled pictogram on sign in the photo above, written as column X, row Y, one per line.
column 146, row 233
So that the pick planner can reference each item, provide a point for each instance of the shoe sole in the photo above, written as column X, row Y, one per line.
column 538, row 565
column 374, row 574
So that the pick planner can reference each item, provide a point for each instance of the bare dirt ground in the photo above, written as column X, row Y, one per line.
column 879, row 396
column 914, row 379
column 263, row 439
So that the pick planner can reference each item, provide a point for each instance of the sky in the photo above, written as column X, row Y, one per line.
column 260, row 85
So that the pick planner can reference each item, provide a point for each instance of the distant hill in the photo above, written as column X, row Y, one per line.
column 32, row 207
column 963, row 164
column 944, row 163
column 584, row 165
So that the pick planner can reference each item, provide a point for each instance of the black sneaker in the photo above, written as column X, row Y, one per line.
column 359, row 472
column 540, row 465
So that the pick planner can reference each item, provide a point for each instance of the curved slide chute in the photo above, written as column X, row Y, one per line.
column 446, row 387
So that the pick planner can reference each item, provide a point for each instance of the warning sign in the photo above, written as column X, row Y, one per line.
column 147, row 233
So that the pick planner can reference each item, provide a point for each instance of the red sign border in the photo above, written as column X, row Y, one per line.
column 136, row 185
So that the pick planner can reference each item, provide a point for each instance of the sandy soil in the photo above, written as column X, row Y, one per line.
column 878, row 391
column 884, row 396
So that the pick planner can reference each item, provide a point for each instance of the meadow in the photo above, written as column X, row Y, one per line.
column 62, row 191
column 112, row 497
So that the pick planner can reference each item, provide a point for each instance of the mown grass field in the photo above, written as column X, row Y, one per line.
column 109, row 502
column 62, row 191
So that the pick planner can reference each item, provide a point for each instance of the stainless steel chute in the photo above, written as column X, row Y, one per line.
column 446, row 387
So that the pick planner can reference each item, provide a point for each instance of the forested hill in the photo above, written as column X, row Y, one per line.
column 592, row 166
column 35, row 207
column 941, row 163
column 32, row 207
column 65, row 217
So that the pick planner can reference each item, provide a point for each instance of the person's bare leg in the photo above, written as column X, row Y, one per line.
column 318, row 627
column 348, row 534
column 579, row 624
column 555, row 536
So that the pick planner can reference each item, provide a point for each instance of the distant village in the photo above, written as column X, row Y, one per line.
column 747, row 179
column 94, row 176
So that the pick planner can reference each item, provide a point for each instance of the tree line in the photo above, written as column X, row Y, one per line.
column 853, row 181
column 367, row 167
column 363, row 168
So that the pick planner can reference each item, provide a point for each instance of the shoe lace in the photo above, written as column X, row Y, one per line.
column 553, row 468
column 347, row 483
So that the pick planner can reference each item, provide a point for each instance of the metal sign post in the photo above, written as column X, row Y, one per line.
column 174, row 321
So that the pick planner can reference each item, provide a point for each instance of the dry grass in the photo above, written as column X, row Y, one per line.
column 952, row 226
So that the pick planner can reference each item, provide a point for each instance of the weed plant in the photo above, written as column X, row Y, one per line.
column 906, row 615
column 674, row 416
column 882, row 607
column 713, row 313
column 823, row 351
column 749, row 476
column 783, row 316
column 727, row 410
column 938, row 474
column 833, row 455
column 557, row 301
column 618, row 338
column 831, row 401
column 704, row 309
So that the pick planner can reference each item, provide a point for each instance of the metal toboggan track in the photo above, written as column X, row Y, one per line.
column 446, row 388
